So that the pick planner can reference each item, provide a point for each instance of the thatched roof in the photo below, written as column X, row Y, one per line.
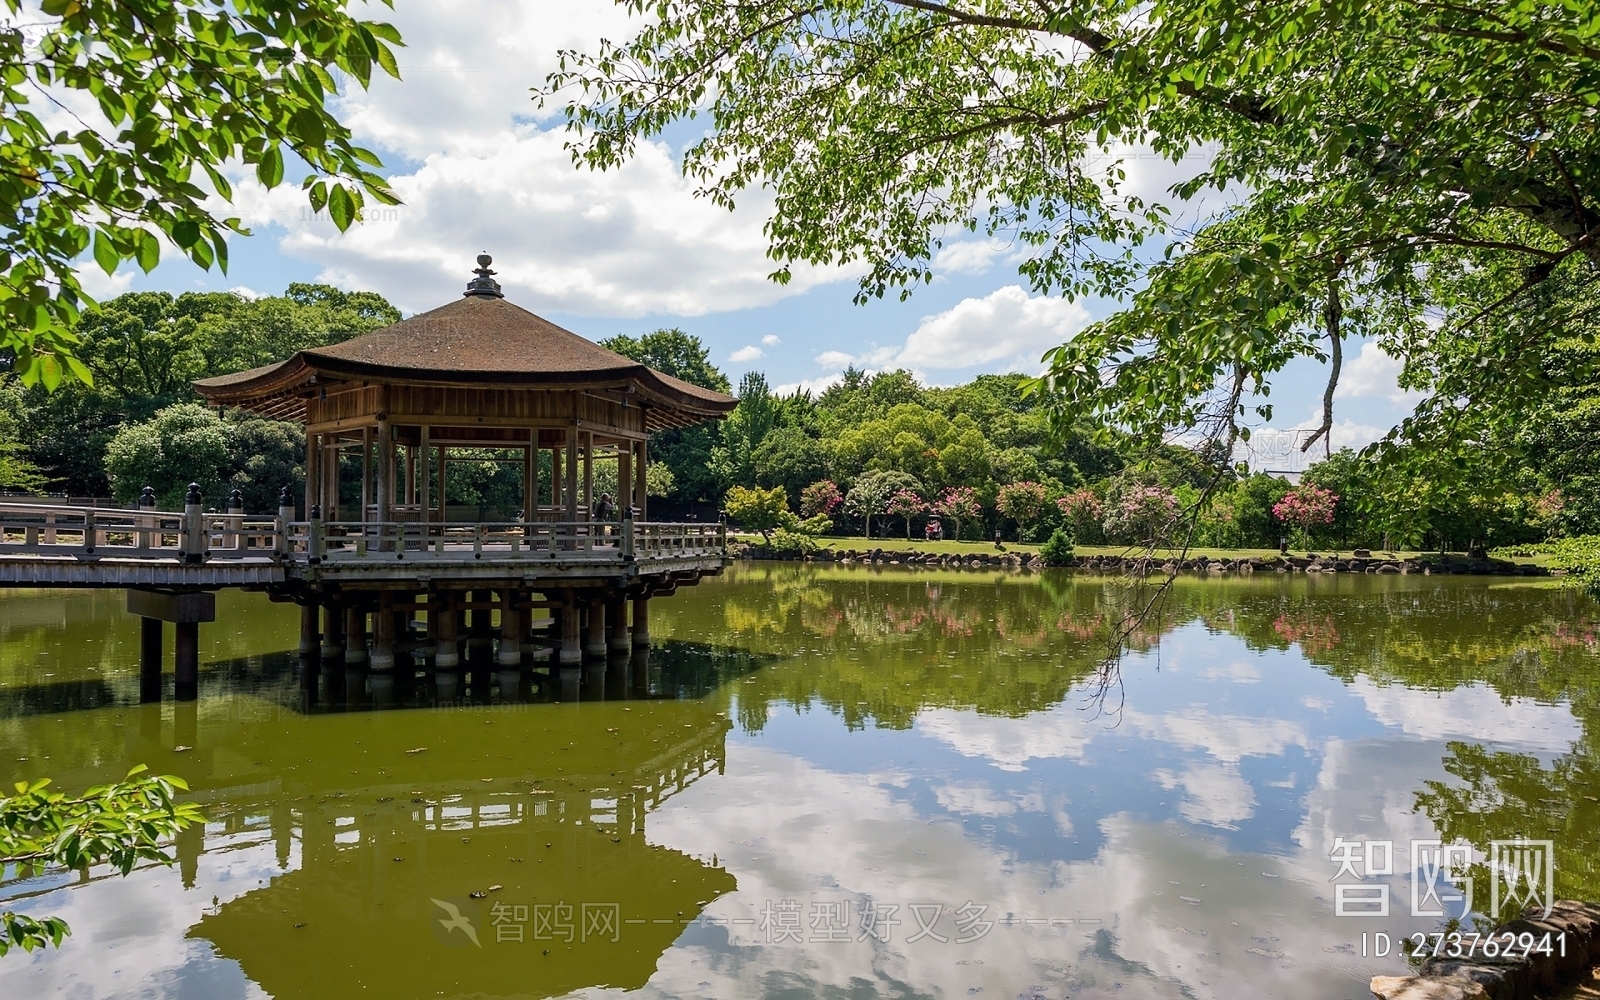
column 481, row 341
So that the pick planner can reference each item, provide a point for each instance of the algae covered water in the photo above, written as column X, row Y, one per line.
column 839, row 781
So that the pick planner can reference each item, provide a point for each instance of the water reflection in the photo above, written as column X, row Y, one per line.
column 815, row 742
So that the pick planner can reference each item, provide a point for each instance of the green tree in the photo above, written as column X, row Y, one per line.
column 745, row 430
column 1399, row 162
column 1025, row 503
column 120, row 824
column 759, row 510
column 791, row 458
column 870, row 495
column 183, row 88
column 179, row 445
column 685, row 452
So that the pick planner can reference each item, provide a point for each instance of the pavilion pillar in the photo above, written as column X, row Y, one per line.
column 510, row 653
column 624, row 477
column 313, row 471
column 641, row 621
column 572, row 474
column 530, row 478
column 411, row 475
column 150, row 659
column 355, row 638
column 640, row 483
column 446, row 655
column 444, row 465
column 329, row 478
column 617, row 640
column 571, row 652
column 424, row 475
column 588, row 475
column 385, row 471
column 383, row 634
column 366, row 472
column 595, row 643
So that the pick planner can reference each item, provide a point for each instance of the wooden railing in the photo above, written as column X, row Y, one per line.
column 36, row 529
column 195, row 536
column 339, row 541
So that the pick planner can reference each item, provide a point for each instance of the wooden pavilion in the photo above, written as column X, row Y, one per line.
column 478, row 373
column 408, row 401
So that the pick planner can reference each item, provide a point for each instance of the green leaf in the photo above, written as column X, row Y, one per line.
column 269, row 169
column 185, row 233
column 105, row 253
column 340, row 207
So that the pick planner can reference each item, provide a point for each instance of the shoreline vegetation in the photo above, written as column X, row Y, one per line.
column 1023, row 557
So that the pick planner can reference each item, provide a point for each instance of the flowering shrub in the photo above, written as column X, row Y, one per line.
column 1141, row 514
column 821, row 497
column 1306, row 505
column 959, row 503
column 1083, row 512
column 906, row 504
column 1022, row 502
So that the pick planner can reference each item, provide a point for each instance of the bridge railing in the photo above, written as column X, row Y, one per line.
column 196, row 536
column 38, row 529
column 621, row 541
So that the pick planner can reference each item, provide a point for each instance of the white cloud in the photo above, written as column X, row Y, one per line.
column 1225, row 737
column 102, row 286
column 1344, row 434
column 967, row 257
column 480, row 168
column 771, row 340
column 1008, row 744
column 973, row 799
column 835, row 359
column 749, row 352
column 1374, row 374
column 815, row 386
column 1214, row 794
column 1006, row 325
column 1472, row 712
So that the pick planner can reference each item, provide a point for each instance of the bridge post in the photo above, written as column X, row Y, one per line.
column 617, row 640
column 332, row 633
column 446, row 655
column 310, row 638
column 147, row 501
column 194, row 528
column 186, row 665
column 233, row 536
column 641, row 621
column 571, row 651
column 149, row 659
column 595, row 644
column 511, row 630
column 355, row 637
column 285, row 516
column 383, row 634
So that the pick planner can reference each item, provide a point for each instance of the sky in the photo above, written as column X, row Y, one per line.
column 481, row 168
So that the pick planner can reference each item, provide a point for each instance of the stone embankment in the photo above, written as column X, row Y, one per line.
column 1572, row 927
column 1310, row 563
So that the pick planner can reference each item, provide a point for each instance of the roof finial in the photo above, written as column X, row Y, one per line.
column 484, row 284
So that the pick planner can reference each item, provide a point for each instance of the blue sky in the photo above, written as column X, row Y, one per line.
column 481, row 168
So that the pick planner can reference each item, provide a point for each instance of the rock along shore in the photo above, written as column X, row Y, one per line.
column 1139, row 565
column 1516, row 977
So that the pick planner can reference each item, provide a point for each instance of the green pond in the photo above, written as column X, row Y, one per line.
column 842, row 782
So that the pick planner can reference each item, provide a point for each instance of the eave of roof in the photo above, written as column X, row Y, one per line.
column 478, row 342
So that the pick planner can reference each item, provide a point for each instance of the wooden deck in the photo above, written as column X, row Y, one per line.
column 64, row 546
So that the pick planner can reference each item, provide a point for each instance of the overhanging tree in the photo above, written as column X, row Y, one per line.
column 1415, row 168
column 120, row 119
